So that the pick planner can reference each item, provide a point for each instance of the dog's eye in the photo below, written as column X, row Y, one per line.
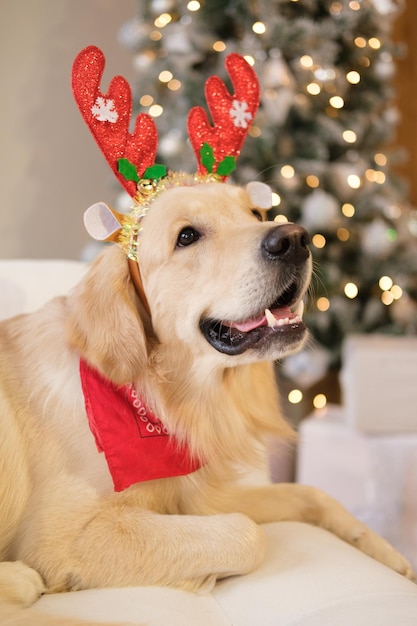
column 258, row 215
column 187, row 236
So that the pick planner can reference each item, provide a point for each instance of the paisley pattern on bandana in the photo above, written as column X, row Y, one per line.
column 136, row 444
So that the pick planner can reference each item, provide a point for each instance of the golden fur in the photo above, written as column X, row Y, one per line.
column 59, row 515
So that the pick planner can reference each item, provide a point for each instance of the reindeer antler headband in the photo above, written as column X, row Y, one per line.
column 131, row 155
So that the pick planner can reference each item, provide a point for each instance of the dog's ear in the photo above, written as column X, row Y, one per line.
column 107, row 321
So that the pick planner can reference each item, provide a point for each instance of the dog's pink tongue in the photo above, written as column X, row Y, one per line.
column 261, row 320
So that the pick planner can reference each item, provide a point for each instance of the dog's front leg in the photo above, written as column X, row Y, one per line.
column 125, row 546
column 294, row 502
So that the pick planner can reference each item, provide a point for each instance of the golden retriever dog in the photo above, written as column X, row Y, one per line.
column 224, row 290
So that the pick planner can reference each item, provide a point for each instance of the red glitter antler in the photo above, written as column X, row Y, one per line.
column 218, row 146
column 108, row 118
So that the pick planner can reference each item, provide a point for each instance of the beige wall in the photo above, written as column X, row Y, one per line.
column 50, row 168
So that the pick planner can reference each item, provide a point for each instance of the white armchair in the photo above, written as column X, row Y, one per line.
column 309, row 578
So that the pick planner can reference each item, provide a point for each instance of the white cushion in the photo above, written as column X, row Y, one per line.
column 309, row 578
column 25, row 285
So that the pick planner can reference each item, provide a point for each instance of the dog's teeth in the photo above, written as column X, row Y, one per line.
column 299, row 310
column 270, row 319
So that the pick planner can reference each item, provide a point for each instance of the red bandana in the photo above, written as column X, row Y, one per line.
column 137, row 446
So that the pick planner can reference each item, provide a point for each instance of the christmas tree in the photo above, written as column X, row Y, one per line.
column 320, row 140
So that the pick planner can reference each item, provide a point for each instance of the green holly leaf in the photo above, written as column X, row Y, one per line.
column 127, row 169
column 207, row 157
column 226, row 167
column 155, row 172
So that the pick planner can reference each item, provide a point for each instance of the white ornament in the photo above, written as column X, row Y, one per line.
column 176, row 40
column 388, row 7
column 319, row 210
column 276, row 74
column 308, row 366
column 277, row 104
column 172, row 143
column 374, row 239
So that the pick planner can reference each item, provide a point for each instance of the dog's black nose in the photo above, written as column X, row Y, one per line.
column 288, row 242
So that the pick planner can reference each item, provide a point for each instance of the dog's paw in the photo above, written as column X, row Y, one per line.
column 375, row 546
column 19, row 584
column 245, row 542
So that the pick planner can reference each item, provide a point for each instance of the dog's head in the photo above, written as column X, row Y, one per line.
column 219, row 278
column 221, row 284
column 215, row 278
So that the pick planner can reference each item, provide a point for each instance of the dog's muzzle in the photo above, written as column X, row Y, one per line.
column 279, row 320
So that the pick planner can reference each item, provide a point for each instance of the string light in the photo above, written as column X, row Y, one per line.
column 146, row 100
column 155, row 35
column 156, row 110
column 193, row 5
column 391, row 292
column 354, row 181
column 312, row 181
column 162, row 20
column 249, row 59
column 219, row 46
column 306, row 61
column 337, row 102
column 319, row 241
column 374, row 43
column 336, row 8
column 323, row 304
column 385, row 283
column 393, row 211
column 343, row 234
column 319, row 401
column 380, row 159
column 360, row 42
column 165, row 76
column 295, row 396
column 351, row 290
column 350, row 136
column 387, row 298
column 353, row 77
column 259, row 28
column 174, row 85
column 397, row 292
column 281, row 219
column 287, row 171
column 354, row 5
column 348, row 209
column 276, row 199
column 313, row 89
column 255, row 131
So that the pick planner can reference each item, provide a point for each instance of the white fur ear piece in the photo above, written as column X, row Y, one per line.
column 101, row 222
column 260, row 194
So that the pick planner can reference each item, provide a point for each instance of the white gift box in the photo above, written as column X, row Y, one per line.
column 373, row 475
column 379, row 383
